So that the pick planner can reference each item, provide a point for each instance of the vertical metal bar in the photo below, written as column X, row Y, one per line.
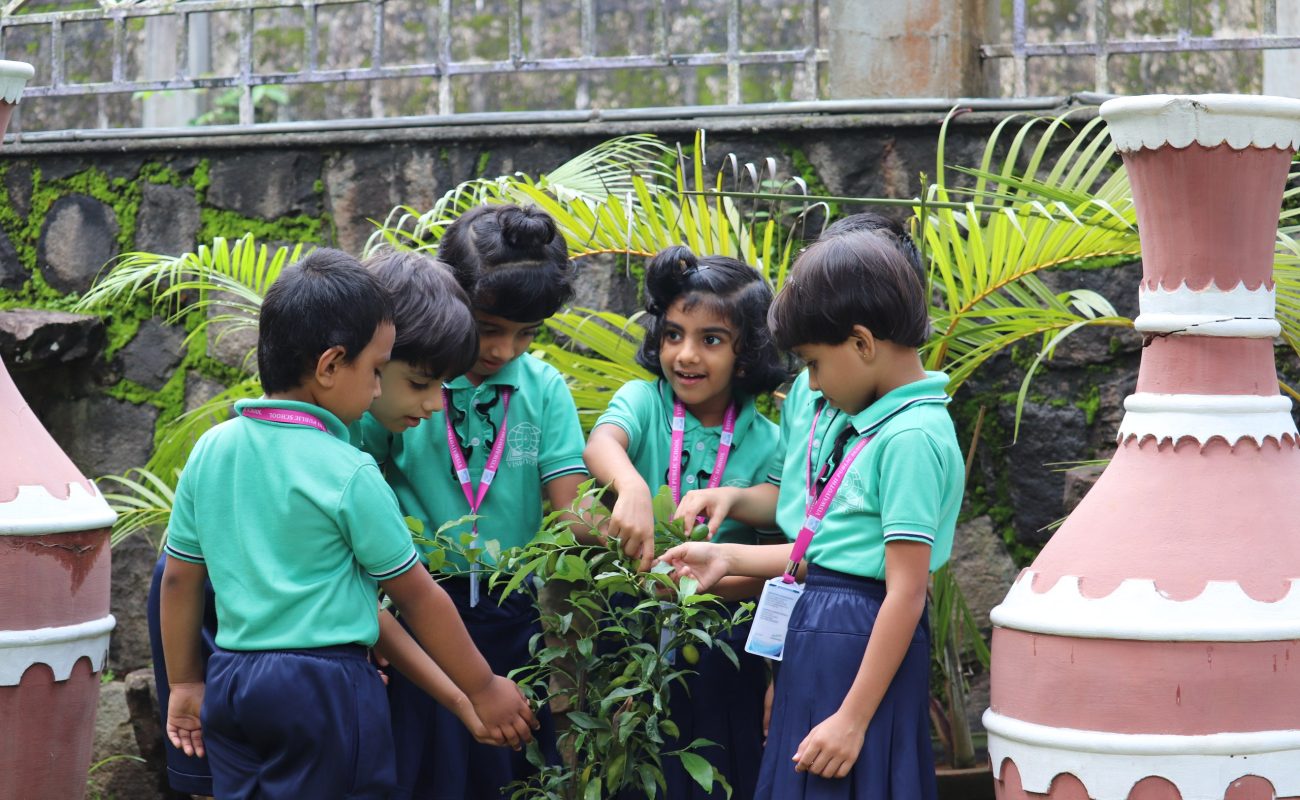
column 1185, row 24
column 661, row 29
column 1101, row 28
column 377, row 59
column 807, row 88
column 183, row 48
column 246, row 115
column 1268, row 17
column 311, row 20
column 4, row 37
column 1019, row 62
column 733, row 53
column 119, row 48
column 515, row 24
column 587, row 42
column 56, row 53
column 445, row 103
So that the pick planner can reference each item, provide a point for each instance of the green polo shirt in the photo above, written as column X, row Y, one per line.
column 906, row 484
column 644, row 410
column 295, row 526
column 543, row 442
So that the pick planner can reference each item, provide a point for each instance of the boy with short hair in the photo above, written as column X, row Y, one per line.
column 297, row 528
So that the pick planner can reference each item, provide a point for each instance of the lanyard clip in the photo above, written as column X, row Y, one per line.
column 791, row 567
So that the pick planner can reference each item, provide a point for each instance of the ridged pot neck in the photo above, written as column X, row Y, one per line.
column 1149, row 122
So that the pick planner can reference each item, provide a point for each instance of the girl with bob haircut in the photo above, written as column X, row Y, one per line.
column 696, row 425
column 867, row 426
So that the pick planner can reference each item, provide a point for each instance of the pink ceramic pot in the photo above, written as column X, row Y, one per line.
column 1151, row 650
column 54, row 581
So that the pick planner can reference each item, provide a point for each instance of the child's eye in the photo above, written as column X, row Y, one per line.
column 712, row 340
column 672, row 336
column 419, row 387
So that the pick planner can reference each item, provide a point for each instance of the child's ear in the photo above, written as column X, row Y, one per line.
column 329, row 364
column 864, row 342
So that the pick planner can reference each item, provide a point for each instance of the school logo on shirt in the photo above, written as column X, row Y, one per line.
column 522, row 444
column 852, row 494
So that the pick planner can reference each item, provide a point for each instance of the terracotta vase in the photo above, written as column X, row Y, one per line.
column 54, row 583
column 1150, row 651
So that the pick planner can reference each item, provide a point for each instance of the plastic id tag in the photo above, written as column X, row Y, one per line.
column 772, row 618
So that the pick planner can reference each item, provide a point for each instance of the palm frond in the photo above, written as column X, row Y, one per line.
column 142, row 500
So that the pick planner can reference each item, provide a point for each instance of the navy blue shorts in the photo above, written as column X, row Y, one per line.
column 185, row 774
column 823, row 651
column 437, row 758
column 296, row 724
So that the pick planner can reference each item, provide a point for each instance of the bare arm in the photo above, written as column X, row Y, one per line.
column 181, row 606
column 437, row 626
column 832, row 747
column 754, row 506
column 710, row 563
column 632, row 519
column 397, row 646
column 561, row 493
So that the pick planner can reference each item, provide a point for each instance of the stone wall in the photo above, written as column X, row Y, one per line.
column 104, row 387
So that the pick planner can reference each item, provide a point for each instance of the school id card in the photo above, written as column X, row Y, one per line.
column 772, row 618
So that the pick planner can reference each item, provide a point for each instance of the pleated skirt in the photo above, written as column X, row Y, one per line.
column 824, row 648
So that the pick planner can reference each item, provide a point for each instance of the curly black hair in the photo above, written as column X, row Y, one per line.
column 727, row 287
column 512, row 261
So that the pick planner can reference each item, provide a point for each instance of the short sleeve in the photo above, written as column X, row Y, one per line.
column 182, row 532
column 791, row 409
column 374, row 527
column 913, row 477
column 630, row 409
column 560, row 450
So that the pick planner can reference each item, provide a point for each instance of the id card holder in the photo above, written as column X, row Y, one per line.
column 772, row 618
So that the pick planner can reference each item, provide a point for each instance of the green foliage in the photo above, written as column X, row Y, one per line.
column 606, row 657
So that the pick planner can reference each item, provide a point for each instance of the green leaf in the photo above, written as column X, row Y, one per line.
column 699, row 769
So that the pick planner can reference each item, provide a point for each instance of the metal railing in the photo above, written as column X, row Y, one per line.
column 1101, row 47
column 119, row 13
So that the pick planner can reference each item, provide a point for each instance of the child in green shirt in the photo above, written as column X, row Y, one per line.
column 297, row 530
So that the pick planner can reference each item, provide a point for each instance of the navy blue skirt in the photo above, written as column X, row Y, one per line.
column 823, row 651
column 185, row 774
column 724, row 705
column 437, row 758
column 297, row 723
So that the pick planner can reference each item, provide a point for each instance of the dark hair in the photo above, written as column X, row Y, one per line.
column 512, row 261
column 324, row 300
column 435, row 328
column 729, row 288
column 867, row 222
column 853, row 276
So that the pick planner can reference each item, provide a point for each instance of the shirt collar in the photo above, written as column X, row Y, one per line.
column 509, row 375
column 333, row 424
column 744, row 414
column 930, row 389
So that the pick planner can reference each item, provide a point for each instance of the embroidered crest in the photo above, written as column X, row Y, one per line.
column 523, row 442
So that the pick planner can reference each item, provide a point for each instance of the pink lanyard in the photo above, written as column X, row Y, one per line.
column 285, row 415
column 473, row 497
column 816, row 505
column 679, row 435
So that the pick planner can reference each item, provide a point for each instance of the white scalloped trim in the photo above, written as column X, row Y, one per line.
column 14, row 76
column 1136, row 609
column 34, row 511
column 1208, row 312
column 59, row 647
column 1156, row 120
column 1109, row 764
column 1204, row 416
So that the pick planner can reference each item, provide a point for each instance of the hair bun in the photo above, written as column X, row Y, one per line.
column 526, row 228
column 665, row 276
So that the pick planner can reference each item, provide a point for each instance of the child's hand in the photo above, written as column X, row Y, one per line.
column 632, row 522
column 464, row 711
column 183, row 727
column 831, row 749
column 712, row 504
column 504, row 712
column 705, row 562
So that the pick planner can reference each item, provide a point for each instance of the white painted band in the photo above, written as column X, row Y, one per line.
column 1137, row 610
column 1260, row 302
column 1109, row 764
column 1152, row 121
column 59, row 647
column 34, row 511
column 1205, row 416
column 13, row 78
column 1208, row 325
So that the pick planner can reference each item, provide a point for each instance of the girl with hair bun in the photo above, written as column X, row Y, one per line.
column 695, row 426
column 506, row 439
